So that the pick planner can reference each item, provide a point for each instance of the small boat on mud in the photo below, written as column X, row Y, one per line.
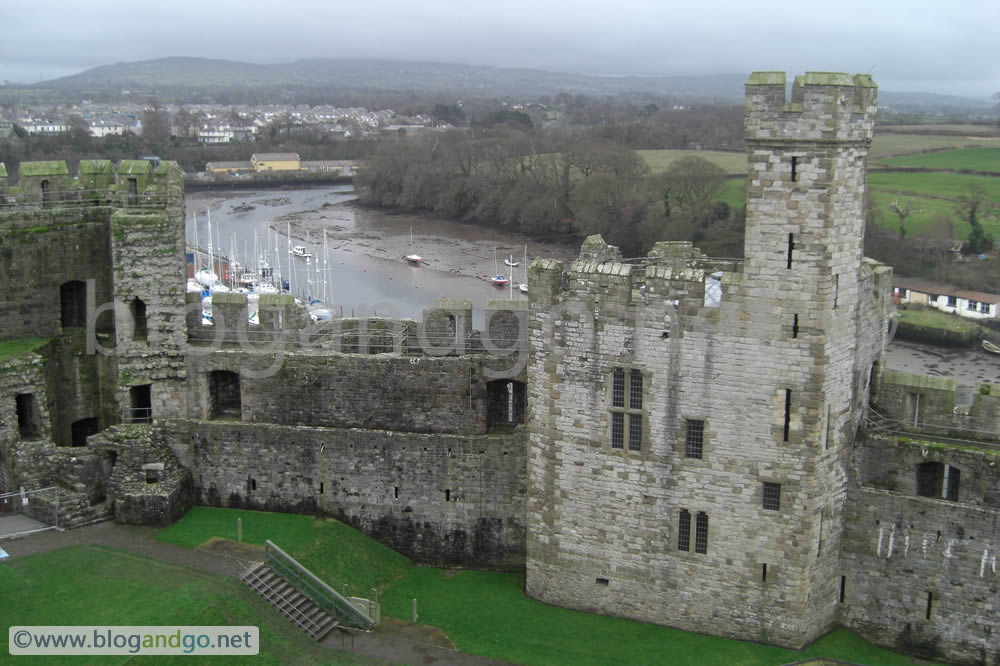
column 990, row 347
column 412, row 257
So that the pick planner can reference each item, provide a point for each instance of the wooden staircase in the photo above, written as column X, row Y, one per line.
column 294, row 605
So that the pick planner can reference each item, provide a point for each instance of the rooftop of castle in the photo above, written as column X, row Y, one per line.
column 95, row 166
column 812, row 79
column 134, row 167
column 51, row 168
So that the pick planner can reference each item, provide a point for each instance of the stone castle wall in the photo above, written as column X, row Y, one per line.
column 920, row 573
column 437, row 498
column 662, row 400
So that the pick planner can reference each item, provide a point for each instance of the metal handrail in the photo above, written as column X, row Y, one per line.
column 881, row 424
column 321, row 594
column 140, row 415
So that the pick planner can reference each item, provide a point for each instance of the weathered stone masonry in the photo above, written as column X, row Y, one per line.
column 678, row 440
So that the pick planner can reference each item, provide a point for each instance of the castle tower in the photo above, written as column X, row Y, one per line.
column 807, row 161
column 690, row 421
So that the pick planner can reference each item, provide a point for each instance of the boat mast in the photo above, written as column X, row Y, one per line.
column 211, row 258
column 276, row 275
column 326, row 271
column 197, row 261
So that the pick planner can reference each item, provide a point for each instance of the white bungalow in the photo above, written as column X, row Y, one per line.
column 963, row 302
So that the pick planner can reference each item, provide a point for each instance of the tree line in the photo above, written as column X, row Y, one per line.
column 554, row 184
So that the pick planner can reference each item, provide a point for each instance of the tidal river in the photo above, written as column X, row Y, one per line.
column 364, row 270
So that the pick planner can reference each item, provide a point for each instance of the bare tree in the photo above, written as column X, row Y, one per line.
column 155, row 125
column 903, row 210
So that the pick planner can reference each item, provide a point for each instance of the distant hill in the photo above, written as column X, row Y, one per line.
column 181, row 76
column 388, row 75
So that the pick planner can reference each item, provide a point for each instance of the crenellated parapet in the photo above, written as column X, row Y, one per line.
column 129, row 184
column 824, row 106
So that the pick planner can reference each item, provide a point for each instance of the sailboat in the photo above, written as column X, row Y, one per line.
column 499, row 278
column 524, row 285
column 412, row 257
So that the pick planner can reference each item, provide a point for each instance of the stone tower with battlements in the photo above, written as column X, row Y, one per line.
column 690, row 419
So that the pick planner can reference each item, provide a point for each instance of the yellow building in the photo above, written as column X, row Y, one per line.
column 276, row 162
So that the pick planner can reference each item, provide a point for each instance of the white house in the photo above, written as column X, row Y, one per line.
column 963, row 302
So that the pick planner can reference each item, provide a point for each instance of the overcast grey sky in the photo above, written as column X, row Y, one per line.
column 918, row 45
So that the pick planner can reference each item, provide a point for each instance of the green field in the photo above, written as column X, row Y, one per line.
column 887, row 145
column 91, row 585
column 934, row 195
column 487, row 613
column 976, row 159
column 660, row 160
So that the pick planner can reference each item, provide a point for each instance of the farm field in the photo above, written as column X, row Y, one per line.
column 976, row 159
column 487, row 613
column 660, row 160
column 889, row 145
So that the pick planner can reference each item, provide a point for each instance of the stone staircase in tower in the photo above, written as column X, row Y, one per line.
column 289, row 601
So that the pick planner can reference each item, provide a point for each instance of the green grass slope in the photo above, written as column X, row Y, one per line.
column 487, row 613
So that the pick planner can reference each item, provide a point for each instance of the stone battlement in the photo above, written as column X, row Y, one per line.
column 824, row 106
column 277, row 321
column 129, row 184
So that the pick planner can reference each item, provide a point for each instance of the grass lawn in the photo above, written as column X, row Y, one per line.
column 11, row 348
column 486, row 612
column 932, row 318
column 91, row 585
column 977, row 159
column 660, row 160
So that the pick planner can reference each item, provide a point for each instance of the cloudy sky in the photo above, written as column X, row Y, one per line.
column 908, row 45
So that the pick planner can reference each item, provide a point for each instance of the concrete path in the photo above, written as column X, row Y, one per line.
column 389, row 641
column 15, row 523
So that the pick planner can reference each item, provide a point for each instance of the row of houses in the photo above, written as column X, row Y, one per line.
column 963, row 302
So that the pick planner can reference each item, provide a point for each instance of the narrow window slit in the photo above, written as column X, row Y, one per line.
column 788, row 412
column 763, row 573
column 791, row 247
column 795, row 164
column 843, row 585
column 930, row 598
column 795, row 326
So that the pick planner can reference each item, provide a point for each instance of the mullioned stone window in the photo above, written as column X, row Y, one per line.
column 700, row 532
column 626, row 408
